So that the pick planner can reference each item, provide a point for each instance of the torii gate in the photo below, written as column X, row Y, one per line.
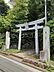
column 33, row 25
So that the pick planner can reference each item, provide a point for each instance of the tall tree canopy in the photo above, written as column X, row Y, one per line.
column 19, row 11
column 18, row 14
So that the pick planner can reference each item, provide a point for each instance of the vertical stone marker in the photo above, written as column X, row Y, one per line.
column 46, row 42
column 19, row 42
column 7, row 40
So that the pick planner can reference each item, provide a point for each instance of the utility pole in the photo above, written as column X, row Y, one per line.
column 46, row 37
column 45, row 12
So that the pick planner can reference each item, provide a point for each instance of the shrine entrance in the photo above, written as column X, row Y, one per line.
column 27, row 40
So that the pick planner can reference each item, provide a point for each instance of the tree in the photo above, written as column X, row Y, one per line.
column 3, row 8
column 19, row 12
column 36, row 9
column 3, row 12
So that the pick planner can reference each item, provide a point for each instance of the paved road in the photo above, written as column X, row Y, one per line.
column 8, row 65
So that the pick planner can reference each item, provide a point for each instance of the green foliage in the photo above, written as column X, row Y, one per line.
column 4, row 23
column 51, row 25
column 1, row 23
column 36, row 9
column 1, row 40
column 16, row 15
column 19, row 13
column 50, row 69
column 3, row 8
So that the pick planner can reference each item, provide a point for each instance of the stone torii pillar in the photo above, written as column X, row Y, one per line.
column 36, row 40
column 19, row 43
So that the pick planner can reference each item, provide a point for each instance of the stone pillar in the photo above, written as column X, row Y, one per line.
column 36, row 40
column 46, row 42
column 7, row 40
column 19, row 42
